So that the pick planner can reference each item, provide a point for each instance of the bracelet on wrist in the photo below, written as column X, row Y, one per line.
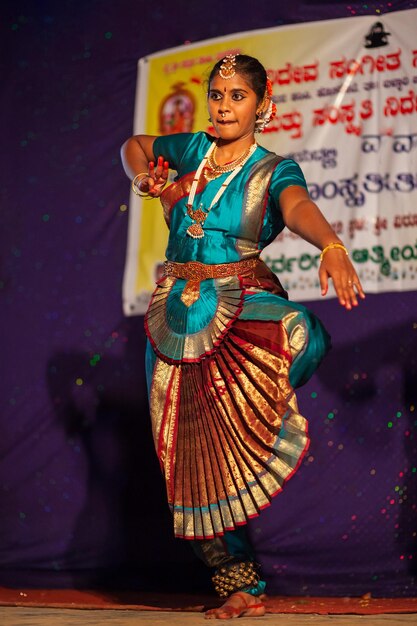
column 332, row 246
column 136, row 182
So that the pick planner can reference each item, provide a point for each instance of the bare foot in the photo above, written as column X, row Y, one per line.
column 239, row 604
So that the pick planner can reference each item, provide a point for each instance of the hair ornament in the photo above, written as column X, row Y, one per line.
column 265, row 117
column 227, row 68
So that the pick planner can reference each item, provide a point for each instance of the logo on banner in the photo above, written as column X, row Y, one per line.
column 176, row 113
column 377, row 37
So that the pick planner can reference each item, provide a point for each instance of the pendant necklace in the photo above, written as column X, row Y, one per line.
column 199, row 216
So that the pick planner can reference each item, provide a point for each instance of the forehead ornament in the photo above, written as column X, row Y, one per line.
column 227, row 68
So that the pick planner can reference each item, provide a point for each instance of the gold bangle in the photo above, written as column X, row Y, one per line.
column 135, row 187
column 331, row 246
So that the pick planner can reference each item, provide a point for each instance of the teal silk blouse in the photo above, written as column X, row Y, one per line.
column 225, row 224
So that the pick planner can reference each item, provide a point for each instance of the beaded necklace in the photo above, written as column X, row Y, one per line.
column 199, row 216
column 218, row 170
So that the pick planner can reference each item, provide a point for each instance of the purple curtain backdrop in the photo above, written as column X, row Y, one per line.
column 82, row 499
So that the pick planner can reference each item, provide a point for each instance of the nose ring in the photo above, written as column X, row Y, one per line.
column 223, row 114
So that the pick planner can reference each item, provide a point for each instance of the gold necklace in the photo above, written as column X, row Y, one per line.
column 218, row 170
column 199, row 216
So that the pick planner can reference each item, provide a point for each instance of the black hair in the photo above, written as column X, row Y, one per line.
column 250, row 69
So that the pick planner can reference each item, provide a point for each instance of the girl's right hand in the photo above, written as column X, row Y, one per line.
column 153, row 184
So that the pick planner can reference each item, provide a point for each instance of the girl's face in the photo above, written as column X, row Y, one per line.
column 232, row 106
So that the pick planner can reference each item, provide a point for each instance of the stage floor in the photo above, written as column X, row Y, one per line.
column 30, row 616
column 72, row 607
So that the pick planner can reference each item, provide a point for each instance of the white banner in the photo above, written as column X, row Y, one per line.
column 346, row 94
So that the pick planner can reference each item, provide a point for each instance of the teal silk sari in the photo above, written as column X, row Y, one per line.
column 222, row 367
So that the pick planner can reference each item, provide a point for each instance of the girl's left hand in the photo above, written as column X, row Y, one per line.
column 337, row 266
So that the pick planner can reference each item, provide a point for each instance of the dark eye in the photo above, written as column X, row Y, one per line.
column 214, row 95
column 238, row 96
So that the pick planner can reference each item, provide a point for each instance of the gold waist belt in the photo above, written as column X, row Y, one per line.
column 196, row 271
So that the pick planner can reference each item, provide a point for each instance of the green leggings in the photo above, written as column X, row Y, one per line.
column 233, row 559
